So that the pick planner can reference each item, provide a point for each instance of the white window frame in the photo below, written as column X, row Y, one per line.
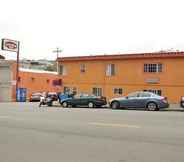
column 82, row 68
column 118, row 91
column 109, row 70
column 98, row 91
column 64, row 70
column 153, row 68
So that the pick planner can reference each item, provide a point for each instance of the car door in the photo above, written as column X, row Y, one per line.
column 131, row 101
column 76, row 100
column 143, row 98
column 84, row 100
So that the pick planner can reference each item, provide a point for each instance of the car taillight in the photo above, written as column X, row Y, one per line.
column 164, row 99
column 102, row 98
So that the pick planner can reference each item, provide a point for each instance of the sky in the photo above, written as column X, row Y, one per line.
column 91, row 27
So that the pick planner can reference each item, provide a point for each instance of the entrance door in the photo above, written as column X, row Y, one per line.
column 5, row 94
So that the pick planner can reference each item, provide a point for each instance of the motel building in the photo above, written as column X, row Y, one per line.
column 118, row 75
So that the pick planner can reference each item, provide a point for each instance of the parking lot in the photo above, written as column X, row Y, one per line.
column 55, row 134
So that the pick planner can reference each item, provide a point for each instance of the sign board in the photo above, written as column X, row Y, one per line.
column 57, row 82
column 10, row 45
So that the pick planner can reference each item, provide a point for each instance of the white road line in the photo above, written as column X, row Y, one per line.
column 114, row 125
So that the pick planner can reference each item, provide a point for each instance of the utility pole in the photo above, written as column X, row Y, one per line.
column 57, row 51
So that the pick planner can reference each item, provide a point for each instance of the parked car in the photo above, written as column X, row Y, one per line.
column 145, row 100
column 35, row 97
column 182, row 102
column 53, row 96
column 84, row 100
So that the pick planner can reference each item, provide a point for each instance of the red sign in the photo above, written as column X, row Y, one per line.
column 10, row 45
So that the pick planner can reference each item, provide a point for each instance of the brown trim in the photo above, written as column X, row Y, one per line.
column 124, row 56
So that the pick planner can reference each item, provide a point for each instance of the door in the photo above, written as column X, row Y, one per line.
column 131, row 101
column 143, row 98
column 5, row 94
column 5, row 84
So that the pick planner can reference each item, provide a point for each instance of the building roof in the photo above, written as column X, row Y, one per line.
column 124, row 56
column 2, row 57
column 37, row 71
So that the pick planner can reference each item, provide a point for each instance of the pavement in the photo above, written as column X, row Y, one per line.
column 54, row 134
column 175, row 107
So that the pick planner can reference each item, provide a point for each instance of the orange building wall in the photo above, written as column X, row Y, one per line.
column 39, row 83
column 14, row 71
column 130, row 76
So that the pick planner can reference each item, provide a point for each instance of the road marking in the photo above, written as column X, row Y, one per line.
column 115, row 125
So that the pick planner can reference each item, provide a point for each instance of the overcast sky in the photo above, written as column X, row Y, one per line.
column 89, row 27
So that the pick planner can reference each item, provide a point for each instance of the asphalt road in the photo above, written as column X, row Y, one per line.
column 32, row 134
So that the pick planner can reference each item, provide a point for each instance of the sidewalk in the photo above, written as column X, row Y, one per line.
column 174, row 107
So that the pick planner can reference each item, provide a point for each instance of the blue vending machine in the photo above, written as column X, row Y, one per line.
column 21, row 94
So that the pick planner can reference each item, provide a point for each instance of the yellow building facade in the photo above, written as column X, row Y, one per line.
column 118, row 75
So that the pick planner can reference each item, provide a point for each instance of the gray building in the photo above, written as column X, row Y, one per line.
column 7, row 80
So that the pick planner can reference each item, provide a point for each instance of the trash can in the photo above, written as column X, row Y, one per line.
column 21, row 94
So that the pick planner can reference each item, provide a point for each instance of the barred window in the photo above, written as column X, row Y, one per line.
column 155, row 91
column 118, row 91
column 97, row 91
column 152, row 68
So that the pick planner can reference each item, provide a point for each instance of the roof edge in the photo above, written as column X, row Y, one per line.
column 124, row 56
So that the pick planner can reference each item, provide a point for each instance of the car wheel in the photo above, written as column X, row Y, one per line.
column 182, row 104
column 115, row 105
column 152, row 106
column 49, row 104
column 90, row 105
column 65, row 104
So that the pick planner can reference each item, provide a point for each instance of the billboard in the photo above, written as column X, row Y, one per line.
column 10, row 45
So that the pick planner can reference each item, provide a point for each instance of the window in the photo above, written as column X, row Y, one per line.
column 152, row 68
column 74, row 90
column 71, row 90
column 110, row 70
column 82, row 68
column 155, row 91
column 144, row 94
column 19, row 79
column 66, row 89
column 97, row 91
column 57, row 82
column 118, row 91
column 62, row 70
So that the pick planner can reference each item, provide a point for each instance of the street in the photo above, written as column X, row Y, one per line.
column 55, row 134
